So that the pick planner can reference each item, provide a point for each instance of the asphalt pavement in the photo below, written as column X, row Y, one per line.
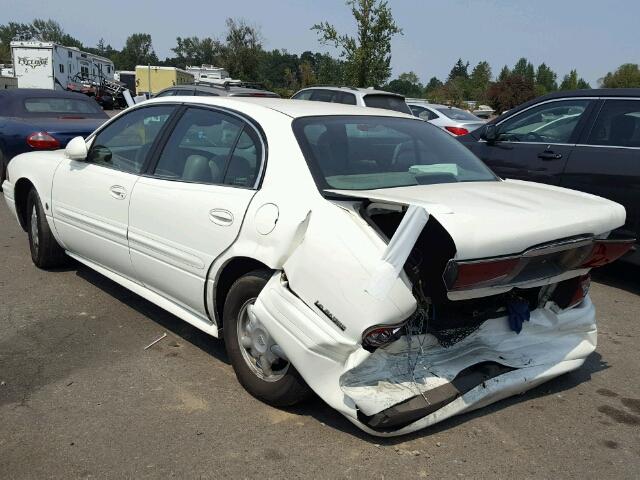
column 80, row 397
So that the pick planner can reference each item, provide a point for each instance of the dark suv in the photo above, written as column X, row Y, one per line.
column 588, row 140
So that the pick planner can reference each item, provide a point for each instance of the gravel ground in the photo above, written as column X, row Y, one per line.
column 81, row 398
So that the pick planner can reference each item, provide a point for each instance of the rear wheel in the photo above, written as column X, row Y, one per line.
column 3, row 169
column 45, row 251
column 259, row 363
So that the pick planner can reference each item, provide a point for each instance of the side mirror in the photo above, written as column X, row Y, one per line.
column 490, row 134
column 76, row 149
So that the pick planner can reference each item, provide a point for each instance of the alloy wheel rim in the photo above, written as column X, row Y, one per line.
column 262, row 355
column 35, row 238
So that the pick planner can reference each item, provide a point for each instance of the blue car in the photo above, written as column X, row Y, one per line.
column 34, row 119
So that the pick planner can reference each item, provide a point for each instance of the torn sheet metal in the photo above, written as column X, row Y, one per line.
column 361, row 384
column 397, row 251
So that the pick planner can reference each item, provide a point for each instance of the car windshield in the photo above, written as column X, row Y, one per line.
column 62, row 106
column 387, row 102
column 368, row 152
column 458, row 114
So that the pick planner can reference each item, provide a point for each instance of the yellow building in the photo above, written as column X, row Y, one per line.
column 159, row 78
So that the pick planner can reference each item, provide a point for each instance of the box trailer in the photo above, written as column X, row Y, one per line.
column 150, row 79
column 52, row 66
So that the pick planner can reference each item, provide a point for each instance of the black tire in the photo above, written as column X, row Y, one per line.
column 3, row 169
column 286, row 391
column 45, row 251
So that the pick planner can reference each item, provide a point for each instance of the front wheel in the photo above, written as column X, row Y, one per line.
column 259, row 363
column 45, row 251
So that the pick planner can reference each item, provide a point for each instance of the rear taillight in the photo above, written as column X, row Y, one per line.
column 474, row 274
column 42, row 141
column 584, row 283
column 607, row 251
column 380, row 335
column 457, row 130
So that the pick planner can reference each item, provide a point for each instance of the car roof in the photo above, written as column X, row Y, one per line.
column 291, row 108
column 219, row 89
column 364, row 91
column 590, row 92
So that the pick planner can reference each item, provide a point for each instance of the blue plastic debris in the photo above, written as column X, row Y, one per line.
column 519, row 313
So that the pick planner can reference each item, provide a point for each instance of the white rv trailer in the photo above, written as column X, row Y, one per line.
column 207, row 73
column 52, row 66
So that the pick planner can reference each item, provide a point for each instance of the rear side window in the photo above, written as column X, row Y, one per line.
column 62, row 106
column 422, row 113
column 618, row 124
column 166, row 93
column 387, row 102
column 458, row 114
column 303, row 95
column 211, row 147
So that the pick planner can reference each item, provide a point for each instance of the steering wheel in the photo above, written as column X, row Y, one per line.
column 535, row 137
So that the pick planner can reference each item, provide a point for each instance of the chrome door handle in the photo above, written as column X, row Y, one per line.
column 221, row 217
column 118, row 192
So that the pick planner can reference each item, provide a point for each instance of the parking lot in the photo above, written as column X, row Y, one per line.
column 80, row 397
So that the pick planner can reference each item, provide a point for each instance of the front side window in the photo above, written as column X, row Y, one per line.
column 618, row 124
column 553, row 122
column 367, row 152
column 387, row 102
column 166, row 93
column 211, row 147
column 125, row 143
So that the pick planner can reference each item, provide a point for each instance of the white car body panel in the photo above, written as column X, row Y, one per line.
column 91, row 220
column 334, row 275
column 170, row 258
column 356, row 379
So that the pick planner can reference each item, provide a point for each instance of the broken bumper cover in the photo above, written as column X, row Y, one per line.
column 410, row 385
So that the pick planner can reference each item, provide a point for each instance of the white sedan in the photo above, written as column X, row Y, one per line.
column 360, row 253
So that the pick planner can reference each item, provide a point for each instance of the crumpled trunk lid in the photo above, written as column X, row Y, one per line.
column 488, row 219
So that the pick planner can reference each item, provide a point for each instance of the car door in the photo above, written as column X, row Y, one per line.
column 606, row 162
column 536, row 143
column 90, row 199
column 190, row 205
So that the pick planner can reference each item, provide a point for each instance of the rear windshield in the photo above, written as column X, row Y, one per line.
column 388, row 102
column 458, row 114
column 368, row 152
column 63, row 106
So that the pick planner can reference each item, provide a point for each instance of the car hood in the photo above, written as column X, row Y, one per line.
column 488, row 219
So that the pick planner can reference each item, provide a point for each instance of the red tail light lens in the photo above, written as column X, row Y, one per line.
column 464, row 275
column 584, row 283
column 607, row 251
column 457, row 131
column 42, row 141
column 380, row 335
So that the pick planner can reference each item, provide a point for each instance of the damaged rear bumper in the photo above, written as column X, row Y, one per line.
column 412, row 384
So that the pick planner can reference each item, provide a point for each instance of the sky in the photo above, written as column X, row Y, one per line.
column 594, row 37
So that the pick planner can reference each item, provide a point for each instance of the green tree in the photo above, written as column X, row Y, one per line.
column 504, row 74
column 525, row 69
column 410, row 77
column 196, row 51
column 479, row 81
column 39, row 29
column 368, row 55
column 459, row 70
column 138, row 50
column 545, row 79
column 626, row 76
column 242, row 50
column 571, row 81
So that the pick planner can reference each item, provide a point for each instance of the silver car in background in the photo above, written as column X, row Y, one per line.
column 455, row 121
